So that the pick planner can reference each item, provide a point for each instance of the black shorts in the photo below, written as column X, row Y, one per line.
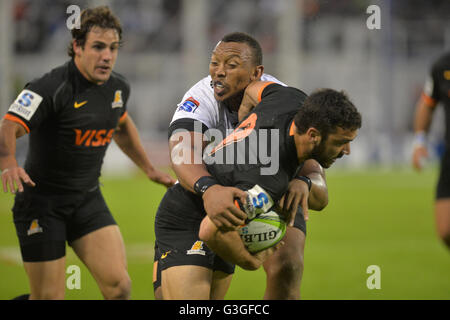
column 45, row 220
column 177, row 241
column 443, row 186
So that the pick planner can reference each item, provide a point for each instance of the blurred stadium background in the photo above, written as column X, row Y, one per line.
column 380, row 212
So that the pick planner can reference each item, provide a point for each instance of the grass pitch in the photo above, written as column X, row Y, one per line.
column 375, row 217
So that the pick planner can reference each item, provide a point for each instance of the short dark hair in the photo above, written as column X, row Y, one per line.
column 326, row 110
column 94, row 17
column 241, row 37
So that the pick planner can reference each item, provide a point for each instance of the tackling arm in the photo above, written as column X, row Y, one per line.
column 186, row 149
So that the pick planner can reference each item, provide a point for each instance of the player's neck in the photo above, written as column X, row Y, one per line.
column 234, row 102
column 302, row 146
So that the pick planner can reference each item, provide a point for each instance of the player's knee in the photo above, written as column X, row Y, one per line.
column 118, row 290
column 288, row 267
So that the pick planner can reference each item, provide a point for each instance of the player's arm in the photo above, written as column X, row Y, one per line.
column 252, row 96
column 127, row 138
column 186, row 153
column 300, row 194
column 422, row 121
column 12, row 174
column 229, row 246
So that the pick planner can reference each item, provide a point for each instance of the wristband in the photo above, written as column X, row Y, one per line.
column 202, row 184
column 305, row 179
column 420, row 139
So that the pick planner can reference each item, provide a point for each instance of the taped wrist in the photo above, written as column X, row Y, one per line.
column 305, row 179
column 203, row 183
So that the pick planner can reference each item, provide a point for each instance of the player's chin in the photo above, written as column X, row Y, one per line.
column 102, row 76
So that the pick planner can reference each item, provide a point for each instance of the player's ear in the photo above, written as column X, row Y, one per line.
column 314, row 136
column 257, row 72
column 76, row 47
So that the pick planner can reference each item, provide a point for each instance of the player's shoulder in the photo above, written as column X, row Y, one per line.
column 276, row 90
column 49, row 83
column 118, row 79
column 268, row 77
column 201, row 94
column 442, row 62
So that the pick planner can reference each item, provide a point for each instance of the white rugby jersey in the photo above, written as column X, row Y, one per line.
column 199, row 104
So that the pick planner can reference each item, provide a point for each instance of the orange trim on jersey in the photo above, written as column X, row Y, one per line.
column 429, row 101
column 17, row 120
column 292, row 129
column 123, row 116
column 262, row 89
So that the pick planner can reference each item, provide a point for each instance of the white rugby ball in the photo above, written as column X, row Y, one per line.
column 263, row 232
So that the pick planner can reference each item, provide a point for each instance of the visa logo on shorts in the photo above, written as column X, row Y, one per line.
column 197, row 248
column 189, row 105
column 93, row 138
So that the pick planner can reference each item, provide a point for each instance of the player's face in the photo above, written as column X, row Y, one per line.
column 97, row 58
column 231, row 69
column 335, row 146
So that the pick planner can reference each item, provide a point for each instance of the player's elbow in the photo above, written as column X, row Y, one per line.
column 318, row 204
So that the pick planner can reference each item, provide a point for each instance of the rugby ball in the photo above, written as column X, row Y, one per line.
column 263, row 232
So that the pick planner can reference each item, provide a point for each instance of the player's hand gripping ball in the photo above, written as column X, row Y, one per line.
column 263, row 232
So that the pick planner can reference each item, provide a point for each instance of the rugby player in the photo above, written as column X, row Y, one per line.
column 214, row 103
column 319, row 127
column 72, row 113
column 436, row 89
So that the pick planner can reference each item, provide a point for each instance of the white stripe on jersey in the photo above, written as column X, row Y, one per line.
column 207, row 110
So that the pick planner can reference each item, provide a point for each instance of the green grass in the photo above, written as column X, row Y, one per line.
column 375, row 217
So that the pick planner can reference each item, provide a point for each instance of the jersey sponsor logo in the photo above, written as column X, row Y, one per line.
column 34, row 227
column 93, row 138
column 189, row 105
column 26, row 104
column 197, row 248
column 117, row 103
column 77, row 105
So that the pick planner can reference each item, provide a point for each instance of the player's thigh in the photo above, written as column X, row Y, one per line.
column 442, row 213
column 186, row 282
column 103, row 252
column 46, row 278
column 220, row 284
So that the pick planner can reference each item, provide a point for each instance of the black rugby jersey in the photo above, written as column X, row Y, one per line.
column 71, row 122
column 437, row 89
column 265, row 152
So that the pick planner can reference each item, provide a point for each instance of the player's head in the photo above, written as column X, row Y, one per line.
column 235, row 62
column 95, row 44
column 328, row 121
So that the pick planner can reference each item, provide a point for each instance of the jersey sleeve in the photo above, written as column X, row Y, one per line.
column 198, row 104
column 431, row 88
column 33, row 105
